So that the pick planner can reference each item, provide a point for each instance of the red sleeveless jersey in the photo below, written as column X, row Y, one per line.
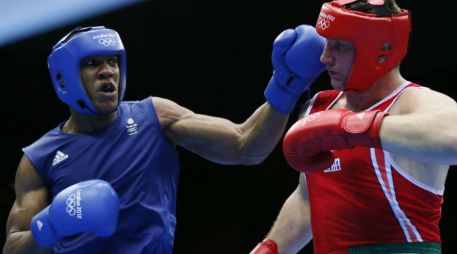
column 366, row 198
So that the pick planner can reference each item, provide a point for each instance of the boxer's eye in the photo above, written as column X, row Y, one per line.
column 90, row 63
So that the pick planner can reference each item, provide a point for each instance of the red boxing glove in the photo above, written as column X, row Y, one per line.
column 267, row 246
column 308, row 142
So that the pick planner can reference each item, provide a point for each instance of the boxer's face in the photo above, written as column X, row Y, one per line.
column 100, row 76
column 338, row 56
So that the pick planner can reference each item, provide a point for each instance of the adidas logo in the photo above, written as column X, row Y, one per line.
column 360, row 115
column 59, row 157
column 336, row 166
column 39, row 224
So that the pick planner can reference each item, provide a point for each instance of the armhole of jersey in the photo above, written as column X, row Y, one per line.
column 155, row 117
column 334, row 100
column 410, row 178
column 396, row 93
column 396, row 98
column 39, row 171
column 156, row 122
column 310, row 106
column 313, row 100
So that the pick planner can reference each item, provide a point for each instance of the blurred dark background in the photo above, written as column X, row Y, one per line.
column 214, row 58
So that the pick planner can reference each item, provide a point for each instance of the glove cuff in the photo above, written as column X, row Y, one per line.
column 267, row 246
column 366, row 124
column 280, row 98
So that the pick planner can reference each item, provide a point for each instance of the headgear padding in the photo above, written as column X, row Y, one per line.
column 380, row 42
column 65, row 60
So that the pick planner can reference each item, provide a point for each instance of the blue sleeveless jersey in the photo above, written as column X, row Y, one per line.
column 133, row 155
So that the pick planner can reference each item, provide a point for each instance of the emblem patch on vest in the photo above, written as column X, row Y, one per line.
column 132, row 127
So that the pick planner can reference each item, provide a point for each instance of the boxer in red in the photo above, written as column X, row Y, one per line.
column 374, row 152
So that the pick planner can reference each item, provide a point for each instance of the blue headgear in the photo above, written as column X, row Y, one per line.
column 65, row 59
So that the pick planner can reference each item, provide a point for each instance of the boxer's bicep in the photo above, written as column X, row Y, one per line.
column 221, row 140
column 31, row 196
column 424, row 100
column 183, row 127
column 421, row 127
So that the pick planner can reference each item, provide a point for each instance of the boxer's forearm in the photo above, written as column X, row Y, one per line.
column 292, row 229
column 262, row 131
column 22, row 242
column 225, row 142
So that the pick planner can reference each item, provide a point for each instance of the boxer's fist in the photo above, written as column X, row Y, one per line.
column 296, row 63
column 89, row 206
column 307, row 144
column 267, row 246
column 303, row 57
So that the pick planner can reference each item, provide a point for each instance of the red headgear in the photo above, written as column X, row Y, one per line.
column 380, row 42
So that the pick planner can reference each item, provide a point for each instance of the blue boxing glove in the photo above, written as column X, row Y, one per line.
column 296, row 62
column 89, row 206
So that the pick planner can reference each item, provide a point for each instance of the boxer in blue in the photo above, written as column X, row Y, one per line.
column 105, row 180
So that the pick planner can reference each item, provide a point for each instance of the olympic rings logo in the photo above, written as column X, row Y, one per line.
column 71, row 205
column 323, row 24
column 107, row 42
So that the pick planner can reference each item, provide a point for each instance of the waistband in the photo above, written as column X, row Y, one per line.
column 398, row 248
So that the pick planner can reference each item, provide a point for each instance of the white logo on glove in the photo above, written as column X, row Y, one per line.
column 39, row 224
column 360, row 115
column 74, row 205
column 313, row 116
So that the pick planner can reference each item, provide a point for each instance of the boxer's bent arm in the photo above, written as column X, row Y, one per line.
column 31, row 197
column 425, row 129
column 292, row 228
column 221, row 140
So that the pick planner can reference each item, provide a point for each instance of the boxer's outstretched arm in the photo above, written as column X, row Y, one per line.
column 425, row 129
column 221, row 140
column 31, row 197
column 292, row 229
column 295, row 60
